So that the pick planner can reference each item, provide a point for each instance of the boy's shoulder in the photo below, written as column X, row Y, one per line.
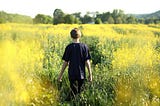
column 84, row 45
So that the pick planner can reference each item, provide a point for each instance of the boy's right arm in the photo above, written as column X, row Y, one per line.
column 89, row 70
column 62, row 70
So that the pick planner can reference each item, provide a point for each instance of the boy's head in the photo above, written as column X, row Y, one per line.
column 75, row 33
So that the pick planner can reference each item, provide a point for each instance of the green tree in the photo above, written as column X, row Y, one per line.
column 157, row 21
column 43, row 19
column 3, row 17
column 98, row 21
column 150, row 21
column 104, row 16
column 69, row 19
column 118, row 20
column 58, row 16
column 131, row 20
column 115, row 14
column 87, row 19
column 118, row 16
column 77, row 17
column 110, row 20
column 141, row 20
column 77, row 21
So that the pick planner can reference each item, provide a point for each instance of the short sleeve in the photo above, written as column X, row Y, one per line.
column 87, row 53
column 66, row 54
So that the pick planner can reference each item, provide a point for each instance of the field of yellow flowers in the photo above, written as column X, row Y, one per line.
column 125, row 64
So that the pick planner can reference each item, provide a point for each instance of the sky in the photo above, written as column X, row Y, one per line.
column 47, row 7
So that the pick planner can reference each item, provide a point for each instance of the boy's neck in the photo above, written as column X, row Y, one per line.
column 76, row 40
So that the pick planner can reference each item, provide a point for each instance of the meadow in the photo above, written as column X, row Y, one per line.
column 125, row 64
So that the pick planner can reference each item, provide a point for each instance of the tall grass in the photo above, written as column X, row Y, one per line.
column 125, row 64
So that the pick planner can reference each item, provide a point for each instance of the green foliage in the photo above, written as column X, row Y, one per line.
column 58, row 16
column 131, row 20
column 69, row 19
column 95, row 54
column 98, row 21
column 115, row 17
column 110, row 20
column 101, row 55
column 104, row 16
column 157, row 46
column 3, row 17
column 87, row 19
column 42, row 19
column 14, row 18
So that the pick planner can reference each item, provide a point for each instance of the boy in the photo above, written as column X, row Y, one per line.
column 77, row 56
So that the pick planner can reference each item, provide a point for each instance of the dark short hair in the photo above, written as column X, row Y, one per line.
column 75, row 33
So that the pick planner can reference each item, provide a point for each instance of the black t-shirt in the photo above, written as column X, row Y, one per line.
column 76, row 54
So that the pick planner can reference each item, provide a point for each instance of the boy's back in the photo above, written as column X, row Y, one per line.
column 76, row 54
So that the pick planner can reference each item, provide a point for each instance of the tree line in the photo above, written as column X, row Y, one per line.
column 14, row 18
column 59, row 17
column 116, row 17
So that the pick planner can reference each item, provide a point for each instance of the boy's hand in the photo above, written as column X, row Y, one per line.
column 90, row 78
column 59, row 79
column 59, row 84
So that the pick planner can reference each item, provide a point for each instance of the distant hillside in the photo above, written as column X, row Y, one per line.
column 14, row 18
column 147, row 16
